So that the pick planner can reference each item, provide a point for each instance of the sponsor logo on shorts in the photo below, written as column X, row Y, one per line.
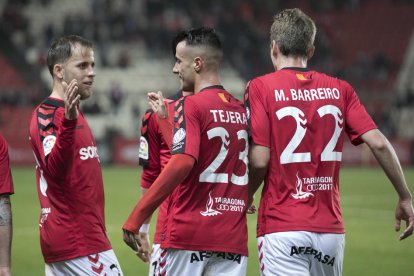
column 318, row 255
column 202, row 255
column 143, row 148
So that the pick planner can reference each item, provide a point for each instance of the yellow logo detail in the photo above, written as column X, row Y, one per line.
column 222, row 97
column 301, row 77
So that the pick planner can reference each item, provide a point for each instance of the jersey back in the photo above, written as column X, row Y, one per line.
column 302, row 117
column 208, row 210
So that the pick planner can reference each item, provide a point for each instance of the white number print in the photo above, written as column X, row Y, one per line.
column 242, row 180
column 209, row 174
column 287, row 155
column 328, row 154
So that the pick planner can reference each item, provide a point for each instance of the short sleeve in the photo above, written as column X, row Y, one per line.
column 358, row 121
column 257, row 113
column 187, row 130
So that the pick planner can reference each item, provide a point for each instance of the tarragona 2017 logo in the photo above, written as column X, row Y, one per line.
column 300, row 194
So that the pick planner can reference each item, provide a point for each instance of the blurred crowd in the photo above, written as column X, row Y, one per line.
column 242, row 24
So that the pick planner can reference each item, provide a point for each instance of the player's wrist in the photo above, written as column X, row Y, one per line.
column 144, row 228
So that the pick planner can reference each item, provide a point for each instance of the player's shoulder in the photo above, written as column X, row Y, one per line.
column 49, row 108
column 147, row 116
column 47, row 116
column 334, row 81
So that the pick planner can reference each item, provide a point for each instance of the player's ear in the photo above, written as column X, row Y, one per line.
column 274, row 53
column 311, row 52
column 58, row 71
column 274, row 50
column 198, row 64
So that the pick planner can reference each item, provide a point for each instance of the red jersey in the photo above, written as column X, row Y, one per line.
column 209, row 207
column 6, row 181
column 302, row 117
column 69, row 184
column 154, row 154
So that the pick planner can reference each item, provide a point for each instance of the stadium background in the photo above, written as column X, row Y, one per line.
column 369, row 43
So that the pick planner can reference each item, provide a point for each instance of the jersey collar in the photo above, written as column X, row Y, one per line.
column 213, row 87
column 296, row 69
column 54, row 102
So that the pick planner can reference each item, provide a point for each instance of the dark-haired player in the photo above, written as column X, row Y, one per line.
column 206, row 232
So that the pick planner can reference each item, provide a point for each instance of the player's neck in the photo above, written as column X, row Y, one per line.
column 284, row 62
column 206, row 81
column 57, row 91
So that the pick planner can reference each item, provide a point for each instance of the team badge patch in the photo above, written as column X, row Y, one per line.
column 48, row 144
column 143, row 148
column 179, row 136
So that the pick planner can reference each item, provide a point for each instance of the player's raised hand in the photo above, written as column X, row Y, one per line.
column 132, row 240
column 143, row 252
column 404, row 211
column 157, row 104
column 72, row 99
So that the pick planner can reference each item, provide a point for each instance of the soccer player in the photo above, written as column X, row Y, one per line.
column 6, row 189
column 68, row 172
column 154, row 154
column 298, row 121
column 206, row 231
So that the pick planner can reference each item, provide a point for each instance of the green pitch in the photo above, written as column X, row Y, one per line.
column 368, row 202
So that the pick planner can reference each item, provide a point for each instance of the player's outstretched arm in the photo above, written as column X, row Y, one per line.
column 173, row 174
column 386, row 156
column 258, row 162
column 143, row 236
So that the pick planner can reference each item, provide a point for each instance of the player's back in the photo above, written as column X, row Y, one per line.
column 302, row 117
column 209, row 206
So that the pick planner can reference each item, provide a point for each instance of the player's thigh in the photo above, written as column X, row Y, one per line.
column 156, row 259
column 95, row 264
column 226, row 264
column 183, row 262
column 277, row 254
column 327, row 254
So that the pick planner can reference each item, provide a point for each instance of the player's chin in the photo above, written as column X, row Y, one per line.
column 85, row 93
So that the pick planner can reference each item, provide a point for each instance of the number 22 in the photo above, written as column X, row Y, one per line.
column 328, row 154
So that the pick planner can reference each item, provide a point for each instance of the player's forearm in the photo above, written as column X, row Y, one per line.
column 60, row 158
column 388, row 159
column 147, row 220
column 258, row 164
column 171, row 176
column 5, row 231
